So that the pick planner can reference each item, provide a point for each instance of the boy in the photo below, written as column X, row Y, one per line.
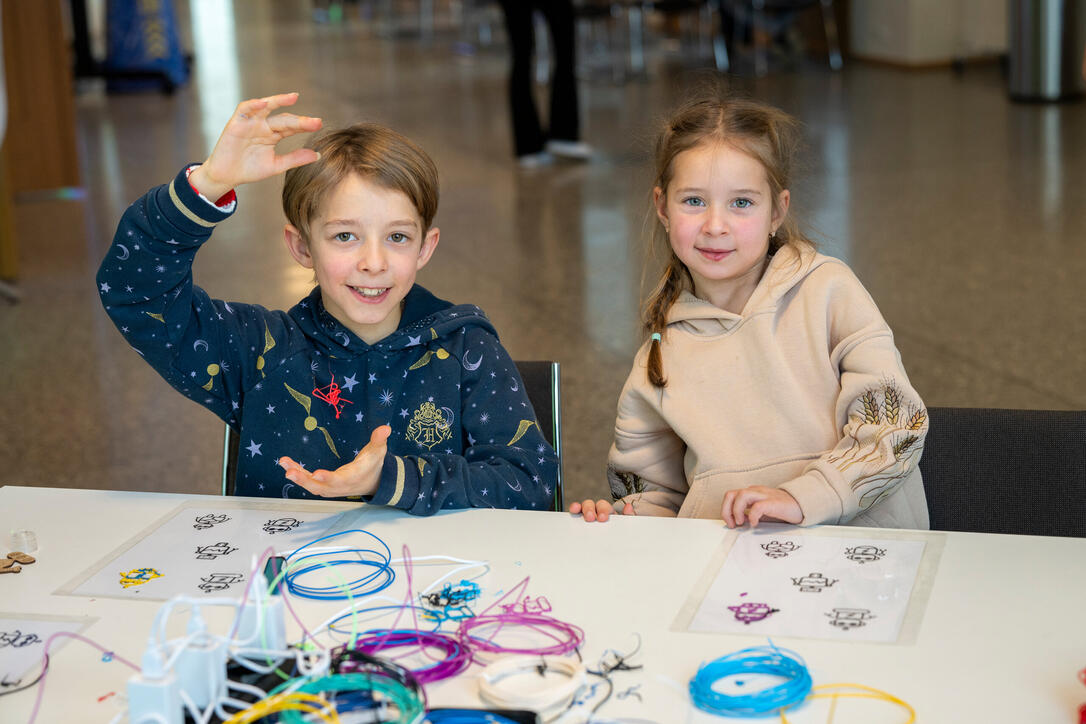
column 368, row 354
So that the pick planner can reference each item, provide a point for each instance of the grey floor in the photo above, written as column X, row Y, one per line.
column 963, row 214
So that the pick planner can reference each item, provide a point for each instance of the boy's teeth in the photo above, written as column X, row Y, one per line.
column 367, row 292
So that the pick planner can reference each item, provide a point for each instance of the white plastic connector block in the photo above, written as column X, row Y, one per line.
column 262, row 623
column 201, row 669
column 154, row 700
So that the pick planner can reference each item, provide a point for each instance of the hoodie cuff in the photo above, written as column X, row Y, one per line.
column 399, row 483
column 186, row 209
column 817, row 499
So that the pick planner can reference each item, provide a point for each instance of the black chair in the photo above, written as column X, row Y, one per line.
column 542, row 383
column 1006, row 471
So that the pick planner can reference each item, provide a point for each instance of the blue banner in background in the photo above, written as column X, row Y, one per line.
column 142, row 39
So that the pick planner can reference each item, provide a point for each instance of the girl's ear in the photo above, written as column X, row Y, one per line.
column 429, row 243
column 780, row 209
column 297, row 246
column 659, row 200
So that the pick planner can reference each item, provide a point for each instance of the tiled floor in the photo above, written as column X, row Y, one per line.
column 962, row 213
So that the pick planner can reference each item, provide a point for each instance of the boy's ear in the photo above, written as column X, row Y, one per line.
column 297, row 246
column 429, row 243
column 780, row 210
column 659, row 200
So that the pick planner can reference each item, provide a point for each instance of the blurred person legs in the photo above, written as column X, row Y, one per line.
column 534, row 145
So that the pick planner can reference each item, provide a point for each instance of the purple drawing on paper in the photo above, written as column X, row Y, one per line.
column 748, row 613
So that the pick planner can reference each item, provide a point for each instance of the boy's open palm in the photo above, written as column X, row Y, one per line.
column 358, row 477
column 245, row 152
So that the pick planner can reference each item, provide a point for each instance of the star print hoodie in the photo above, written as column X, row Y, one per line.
column 299, row 383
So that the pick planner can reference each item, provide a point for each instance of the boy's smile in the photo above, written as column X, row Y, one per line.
column 366, row 245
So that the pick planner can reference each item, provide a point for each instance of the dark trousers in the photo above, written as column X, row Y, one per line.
column 528, row 134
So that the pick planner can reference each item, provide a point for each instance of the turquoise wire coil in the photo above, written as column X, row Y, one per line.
column 769, row 660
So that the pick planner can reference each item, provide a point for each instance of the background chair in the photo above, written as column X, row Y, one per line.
column 542, row 383
column 1006, row 471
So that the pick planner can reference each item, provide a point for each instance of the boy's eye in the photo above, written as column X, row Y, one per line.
column 344, row 236
column 694, row 201
column 743, row 203
column 397, row 237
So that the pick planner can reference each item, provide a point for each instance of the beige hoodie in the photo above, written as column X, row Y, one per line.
column 803, row 391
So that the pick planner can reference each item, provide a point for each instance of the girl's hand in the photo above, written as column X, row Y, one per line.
column 358, row 477
column 597, row 510
column 245, row 152
column 758, row 502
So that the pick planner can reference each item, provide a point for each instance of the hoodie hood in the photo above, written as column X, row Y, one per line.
column 424, row 317
column 787, row 268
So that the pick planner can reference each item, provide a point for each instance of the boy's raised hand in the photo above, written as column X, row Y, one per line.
column 245, row 152
column 593, row 510
column 358, row 477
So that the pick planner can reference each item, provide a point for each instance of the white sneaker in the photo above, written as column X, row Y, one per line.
column 578, row 150
column 535, row 160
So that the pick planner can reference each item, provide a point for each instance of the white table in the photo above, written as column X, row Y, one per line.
column 1001, row 640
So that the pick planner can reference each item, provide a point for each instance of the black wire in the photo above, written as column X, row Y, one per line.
column 44, row 668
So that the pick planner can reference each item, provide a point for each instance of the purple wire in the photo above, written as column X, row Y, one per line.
column 456, row 657
column 566, row 636
column 48, row 643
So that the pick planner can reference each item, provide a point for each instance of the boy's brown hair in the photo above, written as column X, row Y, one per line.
column 375, row 153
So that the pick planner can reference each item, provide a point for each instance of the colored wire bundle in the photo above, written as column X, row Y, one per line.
column 769, row 660
column 382, row 690
column 455, row 657
column 379, row 559
column 285, row 704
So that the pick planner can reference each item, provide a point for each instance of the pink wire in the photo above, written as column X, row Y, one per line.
column 45, row 653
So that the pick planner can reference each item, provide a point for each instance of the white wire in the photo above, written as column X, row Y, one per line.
column 469, row 564
column 545, row 701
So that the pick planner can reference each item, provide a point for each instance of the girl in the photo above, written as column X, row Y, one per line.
column 770, row 387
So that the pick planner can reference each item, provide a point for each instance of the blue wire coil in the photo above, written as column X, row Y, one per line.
column 379, row 559
column 769, row 660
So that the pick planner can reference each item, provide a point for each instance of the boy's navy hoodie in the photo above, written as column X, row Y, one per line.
column 299, row 383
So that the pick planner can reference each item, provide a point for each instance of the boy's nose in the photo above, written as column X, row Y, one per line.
column 373, row 258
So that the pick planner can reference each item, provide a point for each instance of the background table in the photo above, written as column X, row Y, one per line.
column 1001, row 640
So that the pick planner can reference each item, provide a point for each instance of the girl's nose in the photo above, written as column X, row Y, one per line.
column 715, row 222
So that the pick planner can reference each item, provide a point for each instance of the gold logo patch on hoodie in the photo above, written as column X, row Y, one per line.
column 430, row 425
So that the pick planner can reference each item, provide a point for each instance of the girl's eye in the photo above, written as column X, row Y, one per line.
column 694, row 201
column 344, row 236
column 743, row 203
column 397, row 237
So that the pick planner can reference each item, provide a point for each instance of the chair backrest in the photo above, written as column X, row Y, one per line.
column 543, row 385
column 1006, row 471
